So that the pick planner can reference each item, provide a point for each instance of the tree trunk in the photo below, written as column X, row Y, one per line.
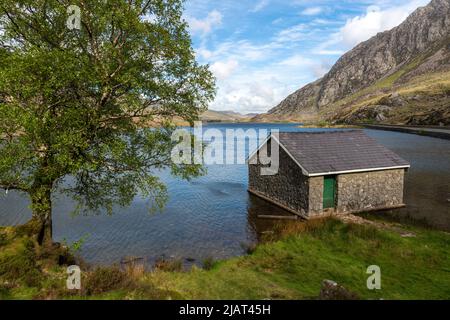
column 41, row 205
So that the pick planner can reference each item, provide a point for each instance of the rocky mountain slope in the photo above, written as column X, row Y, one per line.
column 223, row 116
column 398, row 76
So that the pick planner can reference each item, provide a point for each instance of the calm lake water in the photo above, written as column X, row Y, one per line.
column 214, row 216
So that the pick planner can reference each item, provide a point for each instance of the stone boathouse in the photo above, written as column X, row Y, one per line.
column 329, row 172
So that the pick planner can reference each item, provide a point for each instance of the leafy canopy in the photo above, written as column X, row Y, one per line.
column 80, row 103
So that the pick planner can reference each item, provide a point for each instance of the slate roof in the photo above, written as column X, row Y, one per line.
column 333, row 152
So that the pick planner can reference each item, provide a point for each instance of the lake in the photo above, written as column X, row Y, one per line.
column 214, row 217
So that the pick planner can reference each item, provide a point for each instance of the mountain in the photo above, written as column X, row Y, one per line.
column 398, row 76
column 223, row 116
column 215, row 116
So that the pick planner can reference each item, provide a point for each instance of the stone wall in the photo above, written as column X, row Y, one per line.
column 369, row 190
column 315, row 196
column 289, row 187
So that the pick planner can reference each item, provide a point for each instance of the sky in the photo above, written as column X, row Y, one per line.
column 263, row 50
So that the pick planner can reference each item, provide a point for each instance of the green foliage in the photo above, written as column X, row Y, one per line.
column 208, row 263
column 76, row 246
column 3, row 239
column 78, row 103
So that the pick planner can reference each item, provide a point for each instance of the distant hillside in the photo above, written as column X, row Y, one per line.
column 224, row 116
column 398, row 76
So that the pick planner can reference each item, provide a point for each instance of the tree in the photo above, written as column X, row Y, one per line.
column 76, row 104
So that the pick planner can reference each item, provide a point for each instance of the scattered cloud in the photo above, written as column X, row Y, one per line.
column 259, row 59
column 293, row 33
column 277, row 21
column 296, row 60
column 312, row 11
column 223, row 70
column 323, row 52
column 206, row 25
column 260, row 5
column 320, row 69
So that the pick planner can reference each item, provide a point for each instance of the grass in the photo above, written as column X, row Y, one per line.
column 432, row 89
column 290, row 265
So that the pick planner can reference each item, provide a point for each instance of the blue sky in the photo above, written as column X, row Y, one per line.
column 263, row 50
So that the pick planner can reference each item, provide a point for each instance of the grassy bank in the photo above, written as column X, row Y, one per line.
column 290, row 265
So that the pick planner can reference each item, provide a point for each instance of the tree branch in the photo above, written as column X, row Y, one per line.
column 12, row 186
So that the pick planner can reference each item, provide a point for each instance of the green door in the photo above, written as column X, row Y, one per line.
column 329, row 185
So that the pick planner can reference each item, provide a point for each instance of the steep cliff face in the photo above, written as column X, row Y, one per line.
column 301, row 103
column 419, row 46
column 384, row 53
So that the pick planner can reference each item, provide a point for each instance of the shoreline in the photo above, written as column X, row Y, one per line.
column 291, row 264
column 430, row 131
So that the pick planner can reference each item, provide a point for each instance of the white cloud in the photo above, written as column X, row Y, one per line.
column 324, row 52
column 277, row 21
column 256, row 96
column 322, row 22
column 254, row 77
column 223, row 70
column 206, row 25
column 320, row 69
column 242, row 50
column 375, row 20
column 290, row 34
column 296, row 60
column 204, row 53
column 252, row 88
column 260, row 5
column 312, row 11
column 365, row 26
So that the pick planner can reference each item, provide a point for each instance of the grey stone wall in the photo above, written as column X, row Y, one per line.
column 315, row 196
column 369, row 190
column 289, row 187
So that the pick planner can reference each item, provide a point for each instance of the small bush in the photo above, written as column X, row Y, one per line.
column 208, row 263
column 249, row 247
column 55, row 254
column 173, row 265
column 3, row 239
column 135, row 269
column 104, row 279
